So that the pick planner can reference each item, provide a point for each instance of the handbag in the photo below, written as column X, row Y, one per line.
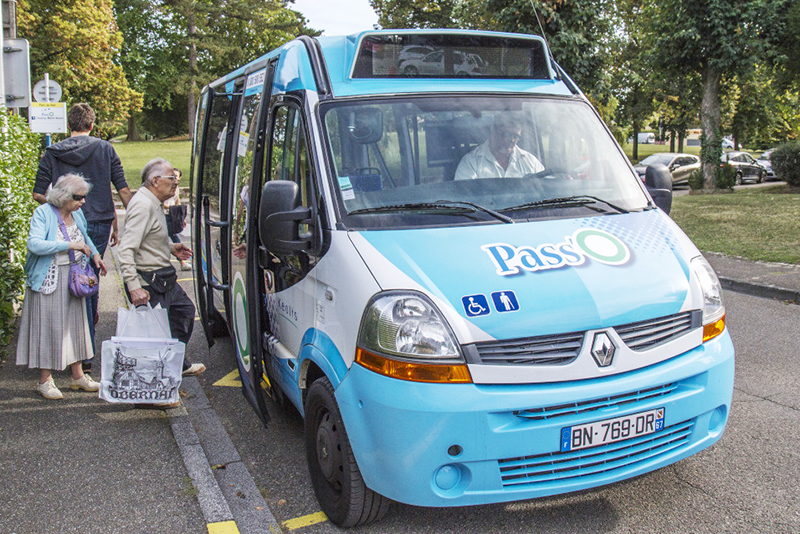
column 83, row 281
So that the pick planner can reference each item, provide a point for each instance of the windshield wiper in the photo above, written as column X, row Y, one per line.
column 451, row 206
column 568, row 202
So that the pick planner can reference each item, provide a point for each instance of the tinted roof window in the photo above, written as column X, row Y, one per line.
column 457, row 56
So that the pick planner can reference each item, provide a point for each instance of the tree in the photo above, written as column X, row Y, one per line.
column 211, row 33
column 77, row 42
column 711, row 38
column 416, row 13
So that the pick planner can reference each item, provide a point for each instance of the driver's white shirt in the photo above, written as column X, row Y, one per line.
column 481, row 163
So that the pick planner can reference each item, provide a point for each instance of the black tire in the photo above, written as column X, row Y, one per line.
column 761, row 177
column 411, row 70
column 738, row 178
column 335, row 476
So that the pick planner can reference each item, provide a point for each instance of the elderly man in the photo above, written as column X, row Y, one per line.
column 144, row 251
column 499, row 156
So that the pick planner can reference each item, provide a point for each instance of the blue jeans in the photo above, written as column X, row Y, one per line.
column 99, row 232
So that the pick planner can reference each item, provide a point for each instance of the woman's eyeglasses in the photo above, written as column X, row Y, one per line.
column 78, row 198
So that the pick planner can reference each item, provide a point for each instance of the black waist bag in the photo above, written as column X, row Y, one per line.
column 160, row 280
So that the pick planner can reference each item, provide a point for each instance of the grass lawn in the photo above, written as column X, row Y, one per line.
column 757, row 224
column 134, row 156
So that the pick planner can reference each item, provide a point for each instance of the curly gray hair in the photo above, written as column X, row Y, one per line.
column 66, row 186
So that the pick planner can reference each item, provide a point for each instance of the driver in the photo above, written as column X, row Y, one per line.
column 499, row 156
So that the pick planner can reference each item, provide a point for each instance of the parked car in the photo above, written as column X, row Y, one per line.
column 681, row 166
column 747, row 168
column 727, row 142
column 765, row 160
column 433, row 65
column 413, row 52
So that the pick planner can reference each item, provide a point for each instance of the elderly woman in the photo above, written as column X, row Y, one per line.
column 54, row 332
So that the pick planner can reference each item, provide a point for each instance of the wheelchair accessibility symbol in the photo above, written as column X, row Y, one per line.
column 475, row 305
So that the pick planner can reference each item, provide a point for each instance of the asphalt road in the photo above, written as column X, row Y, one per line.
column 746, row 483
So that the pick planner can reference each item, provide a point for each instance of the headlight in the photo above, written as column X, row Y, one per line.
column 404, row 336
column 713, row 307
column 408, row 326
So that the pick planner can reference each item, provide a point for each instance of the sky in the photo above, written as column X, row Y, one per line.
column 337, row 17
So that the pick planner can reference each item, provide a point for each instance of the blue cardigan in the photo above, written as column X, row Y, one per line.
column 43, row 244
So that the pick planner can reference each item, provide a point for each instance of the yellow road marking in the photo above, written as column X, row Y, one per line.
column 304, row 521
column 185, row 279
column 223, row 527
column 231, row 380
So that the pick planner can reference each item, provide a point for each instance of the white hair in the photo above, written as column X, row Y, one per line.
column 67, row 185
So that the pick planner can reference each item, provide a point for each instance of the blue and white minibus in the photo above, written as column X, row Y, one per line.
column 429, row 243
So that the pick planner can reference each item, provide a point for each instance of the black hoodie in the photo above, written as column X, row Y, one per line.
column 92, row 158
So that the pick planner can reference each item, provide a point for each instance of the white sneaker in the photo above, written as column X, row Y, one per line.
column 195, row 369
column 186, row 266
column 48, row 390
column 85, row 383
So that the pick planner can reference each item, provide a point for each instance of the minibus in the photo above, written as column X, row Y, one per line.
column 453, row 273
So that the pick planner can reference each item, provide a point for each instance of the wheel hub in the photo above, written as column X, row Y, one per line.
column 327, row 446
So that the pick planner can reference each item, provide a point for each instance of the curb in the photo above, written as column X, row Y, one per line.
column 761, row 290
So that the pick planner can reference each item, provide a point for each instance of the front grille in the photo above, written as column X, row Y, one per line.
column 648, row 334
column 558, row 466
column 573, row 408
column 539, row 350
column 559, row 349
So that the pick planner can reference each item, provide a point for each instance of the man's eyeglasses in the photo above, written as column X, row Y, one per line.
column 169, row 177
column 78, row 198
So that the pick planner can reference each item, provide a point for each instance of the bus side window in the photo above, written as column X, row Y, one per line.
column 289, row 160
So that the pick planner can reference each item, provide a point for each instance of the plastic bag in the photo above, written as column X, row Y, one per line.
column 143, row 322
column 136, row 370
column 142, row 363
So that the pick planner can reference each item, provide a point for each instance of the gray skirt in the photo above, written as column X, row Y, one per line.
column 54, row 331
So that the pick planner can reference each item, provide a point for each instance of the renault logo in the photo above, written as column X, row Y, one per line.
column 603, row 349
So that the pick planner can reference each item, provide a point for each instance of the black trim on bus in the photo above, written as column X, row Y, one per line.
column 317, row 66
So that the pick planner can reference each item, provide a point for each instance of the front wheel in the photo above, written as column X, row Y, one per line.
column 335, row 476
column 761, row 175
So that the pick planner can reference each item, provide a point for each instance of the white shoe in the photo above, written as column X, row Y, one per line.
column 186, row 266
column 85, row 383
column 48, row 390
column 195, row 369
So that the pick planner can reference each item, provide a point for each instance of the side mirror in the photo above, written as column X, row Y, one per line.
column 366, row 125
column 280, row 213
column 658, row 180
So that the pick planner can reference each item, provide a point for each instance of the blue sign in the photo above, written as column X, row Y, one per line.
column 505, row 301
column 475, row 305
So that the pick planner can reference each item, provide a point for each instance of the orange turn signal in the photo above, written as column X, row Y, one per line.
column 714, row 329
column 415, row 372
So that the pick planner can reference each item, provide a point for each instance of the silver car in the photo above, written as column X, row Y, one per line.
column 765, row 160
column 681, row 166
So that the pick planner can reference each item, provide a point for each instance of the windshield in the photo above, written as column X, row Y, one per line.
column 657, row 158
column 432, row 161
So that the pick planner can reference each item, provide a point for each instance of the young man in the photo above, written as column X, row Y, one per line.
column 98, row 163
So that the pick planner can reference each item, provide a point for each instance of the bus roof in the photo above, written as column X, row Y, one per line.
column 380, row 62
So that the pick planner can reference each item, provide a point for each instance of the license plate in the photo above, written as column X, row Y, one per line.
column 578, row 437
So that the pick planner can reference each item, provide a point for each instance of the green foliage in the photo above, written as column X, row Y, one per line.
column 77, row 42
column 696, row 180
column 18, row 161
column 786, row 163
column 725, row 177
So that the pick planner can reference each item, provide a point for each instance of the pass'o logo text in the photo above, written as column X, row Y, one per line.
column 586, row 243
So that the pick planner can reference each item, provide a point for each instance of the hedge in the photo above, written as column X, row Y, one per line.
column 786, row 162
column 19, row 159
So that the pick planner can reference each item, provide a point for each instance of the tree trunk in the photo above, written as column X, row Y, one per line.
column 190, row 98
column 681, row 138
column 133, row 132
column 711, row 151
column 672, row 140
column 635, row 153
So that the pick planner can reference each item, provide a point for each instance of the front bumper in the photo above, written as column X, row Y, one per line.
column 454, row 445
